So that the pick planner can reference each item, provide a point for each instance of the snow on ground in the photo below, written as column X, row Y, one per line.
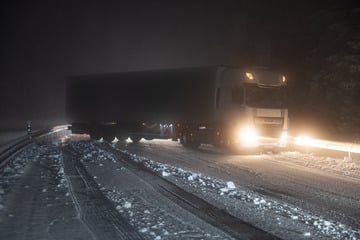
column 153, row 215
column 287, row 221
column 15, row 169
column 348, row 165
column 147, row 213
column 19, row 164
column 36, row 153
column 280, row 218
column 153, row 220
column 34, row 197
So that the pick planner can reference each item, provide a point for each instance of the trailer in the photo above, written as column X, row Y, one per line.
column 223, row 106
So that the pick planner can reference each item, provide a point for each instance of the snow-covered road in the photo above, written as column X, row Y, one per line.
column 308, row 182
column 34, row 197
column 86, row 190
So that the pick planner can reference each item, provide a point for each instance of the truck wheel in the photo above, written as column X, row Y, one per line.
column 188, row 141
column 184, row 140
column 195, row 144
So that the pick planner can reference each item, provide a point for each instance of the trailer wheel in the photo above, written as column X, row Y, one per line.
column 195, row 144
column 135, row 138
column 95, row 136
column 108, row 138
column 184, row 140
column 189, row 141
column 121, row 138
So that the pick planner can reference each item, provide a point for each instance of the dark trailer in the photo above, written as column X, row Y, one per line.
column 132, row 99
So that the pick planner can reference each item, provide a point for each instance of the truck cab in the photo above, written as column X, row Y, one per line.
column 252, row 103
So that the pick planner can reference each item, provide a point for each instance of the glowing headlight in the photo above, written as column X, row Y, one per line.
column 247, row 135
column 283, row 78
column 284, row 137
column 249, row 75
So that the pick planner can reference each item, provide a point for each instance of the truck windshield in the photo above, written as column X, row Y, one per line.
column 272, row 97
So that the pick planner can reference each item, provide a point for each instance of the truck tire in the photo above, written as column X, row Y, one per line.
column 108, row 137
column 189, row 141
column 195, row 144
column 184, row 140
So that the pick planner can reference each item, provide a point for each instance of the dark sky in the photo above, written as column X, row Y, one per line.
column 45, row 41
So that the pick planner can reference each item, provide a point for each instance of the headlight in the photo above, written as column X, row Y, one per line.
column 249, row 75
column 284, row 137
column 283, row 78
column 247, row 135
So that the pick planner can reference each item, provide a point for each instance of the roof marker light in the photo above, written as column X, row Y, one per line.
column 249, row 75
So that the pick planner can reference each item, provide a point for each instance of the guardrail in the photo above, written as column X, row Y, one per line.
column 58, row 132
column 41, row 136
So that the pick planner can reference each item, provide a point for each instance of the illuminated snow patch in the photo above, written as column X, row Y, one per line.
column 127, row 205
column 346, row 166
column 258, row 204
column 230, row 185
column 254, row 206
column 192, row 177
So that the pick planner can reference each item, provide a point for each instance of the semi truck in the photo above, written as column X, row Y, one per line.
column 242, row 107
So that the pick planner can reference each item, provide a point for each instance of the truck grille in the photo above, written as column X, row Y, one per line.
column 269, row 130
column 268, row 78
column 268, row 120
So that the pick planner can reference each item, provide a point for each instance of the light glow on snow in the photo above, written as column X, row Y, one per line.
column 331, row 145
